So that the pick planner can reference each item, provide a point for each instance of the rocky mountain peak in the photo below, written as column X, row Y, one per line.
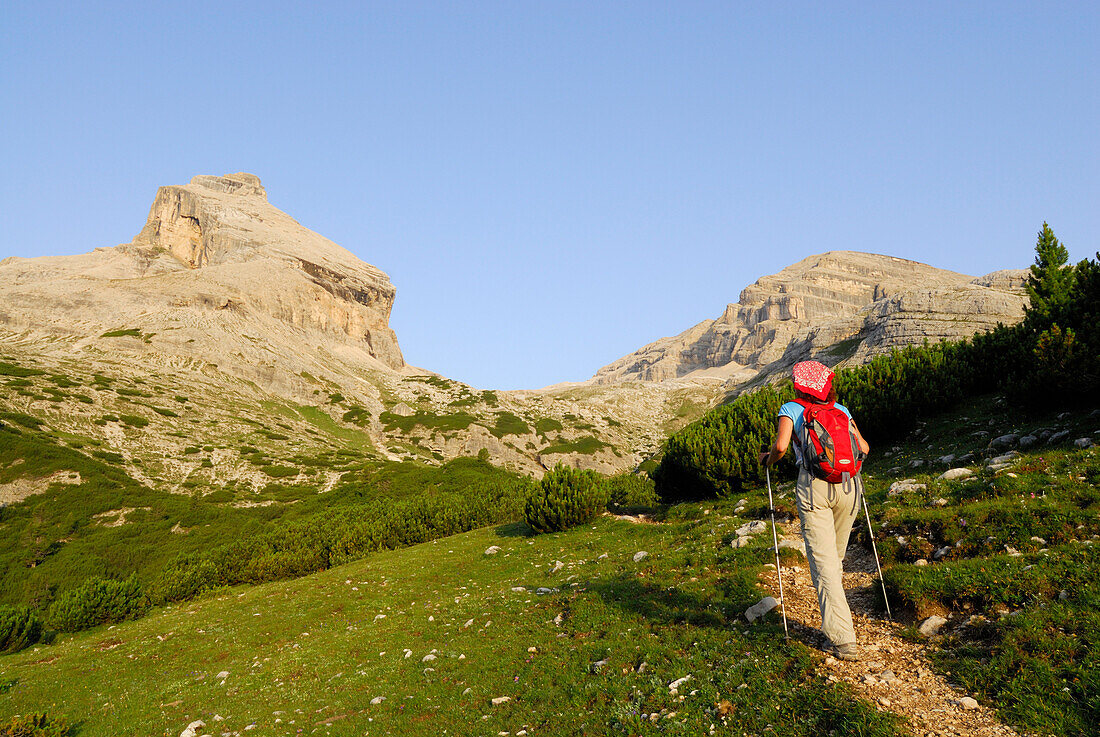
column 856, row 303
column 214, row 260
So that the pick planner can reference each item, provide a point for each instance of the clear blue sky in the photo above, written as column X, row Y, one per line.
column 551, row 185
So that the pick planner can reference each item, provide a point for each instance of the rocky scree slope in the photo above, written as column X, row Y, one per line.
column 836, row 306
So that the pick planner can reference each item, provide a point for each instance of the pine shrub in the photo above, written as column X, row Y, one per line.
column 19, row 628
column 565, row 498
column 35, row 725
column 631, row 490
column 98, row 601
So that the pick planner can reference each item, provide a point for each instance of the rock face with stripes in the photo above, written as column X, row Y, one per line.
column 841, row 305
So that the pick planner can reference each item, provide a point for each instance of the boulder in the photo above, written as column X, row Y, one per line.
column 932, row 625
column 956, row 473
column 762, row 607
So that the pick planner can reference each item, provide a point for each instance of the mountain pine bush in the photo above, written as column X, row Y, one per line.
column 720, row 454
column 631, row 490
column 98, row 601
column 565, row 498
column 35, row 725
column 19, row 628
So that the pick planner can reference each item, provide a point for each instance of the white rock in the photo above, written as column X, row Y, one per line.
column 543, row 591
column 223, row 675
column 601, row 556
column 558, row 619
column 641, row 554
column 501, row 700
column 192, row 729
column 532, row 649
column 467, row 691
column 598, row 665
column 932, row 625
column 968, row 703
column 675, row 685
column 941, row 502
column 469, row 623
column 408, row 653
column 557, row 566
column 956, row 473
column 760, row 608
column 519, row 589
column 752, row 528
column 939, row 554
column 427, row 657
column 377, row 700
column 905, row 485
column 492, row 550
column 796, row 545
column 920, row 562
column 740, row 542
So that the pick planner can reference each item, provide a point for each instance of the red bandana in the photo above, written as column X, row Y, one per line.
column 813, row 378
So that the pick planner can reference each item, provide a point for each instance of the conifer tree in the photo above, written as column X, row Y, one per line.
column 1050, row 283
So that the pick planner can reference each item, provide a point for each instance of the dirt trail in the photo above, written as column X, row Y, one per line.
column 892, row 672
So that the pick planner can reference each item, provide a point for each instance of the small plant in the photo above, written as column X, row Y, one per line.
column 565, row 498
column 19, row 628
column 35, row 725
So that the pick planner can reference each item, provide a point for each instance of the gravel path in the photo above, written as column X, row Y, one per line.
column 892, row 672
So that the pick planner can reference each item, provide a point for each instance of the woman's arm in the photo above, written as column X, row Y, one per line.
column 782, row 442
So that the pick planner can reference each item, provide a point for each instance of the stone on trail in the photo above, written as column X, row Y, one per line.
column 932, row 625
column 760, row 608
column 639, row 556
column 956, row 473
column 796, row 545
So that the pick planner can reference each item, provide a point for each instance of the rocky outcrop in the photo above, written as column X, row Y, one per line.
column 845, row 304
column 214, row 262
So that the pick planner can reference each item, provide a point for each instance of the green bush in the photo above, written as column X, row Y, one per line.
column 19, row 628
column 630, row 490
column 35, row 725
column 720, row 454
column 98, row 601
column 133, row 420
column 565, row 498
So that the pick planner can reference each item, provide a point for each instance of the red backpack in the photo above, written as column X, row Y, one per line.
column 830, row 450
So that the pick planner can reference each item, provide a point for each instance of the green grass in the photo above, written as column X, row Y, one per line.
column 317, row 651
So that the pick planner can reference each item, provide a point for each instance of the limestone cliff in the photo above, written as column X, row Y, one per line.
column 214, row 263
column 845, row 304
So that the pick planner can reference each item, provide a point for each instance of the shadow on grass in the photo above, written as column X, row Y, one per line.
column 513, row 529
column 722, row 609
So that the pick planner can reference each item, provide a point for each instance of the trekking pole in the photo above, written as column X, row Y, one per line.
column 871, row 534
column 775, row 545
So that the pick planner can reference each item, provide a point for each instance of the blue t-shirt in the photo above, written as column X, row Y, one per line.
column 794, row 411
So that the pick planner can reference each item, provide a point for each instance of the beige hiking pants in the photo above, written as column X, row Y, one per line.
column 827, row 512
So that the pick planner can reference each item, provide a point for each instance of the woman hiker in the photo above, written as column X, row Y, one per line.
column 826, row 510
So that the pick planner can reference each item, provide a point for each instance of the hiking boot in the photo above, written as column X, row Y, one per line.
column 847, row 651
